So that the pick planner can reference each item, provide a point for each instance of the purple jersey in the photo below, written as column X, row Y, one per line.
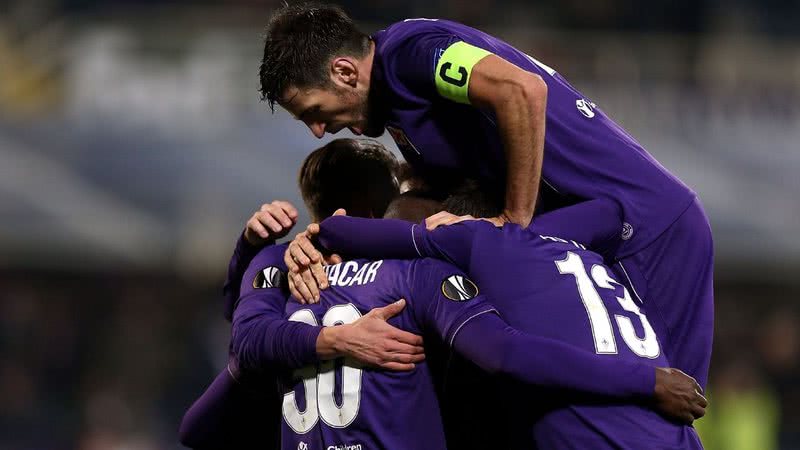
column 555, row 288
column 340, row 404
column 586, row 154
column 343, row 405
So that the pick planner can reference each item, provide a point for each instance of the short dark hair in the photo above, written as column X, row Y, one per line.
column 359, row 175
column 473, row 198
column 466, row 197
column 299, row 42
column 413, row 206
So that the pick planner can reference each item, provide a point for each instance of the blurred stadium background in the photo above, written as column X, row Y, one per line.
column 133, row 147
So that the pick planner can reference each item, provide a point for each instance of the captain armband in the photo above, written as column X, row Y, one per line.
column 454, row 70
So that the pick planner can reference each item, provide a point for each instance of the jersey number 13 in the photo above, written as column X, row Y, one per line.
column 602, row 331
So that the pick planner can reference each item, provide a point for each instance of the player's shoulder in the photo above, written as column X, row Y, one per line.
column 431, row 264
column 555, row 247
column 266, row 270
column 416, row 26
column 271, row 255
column 398, row 34
column 433, row 277
column 426, row 270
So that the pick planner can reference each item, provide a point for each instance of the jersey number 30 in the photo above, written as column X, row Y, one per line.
column 319, row 384
column 602, row 332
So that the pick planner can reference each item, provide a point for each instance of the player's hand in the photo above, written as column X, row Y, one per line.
column 498, row 221
column 678, row 396
column 444, row 218
column 306, row 275
column 372, row 341
column 273, row 221
column 305, row 263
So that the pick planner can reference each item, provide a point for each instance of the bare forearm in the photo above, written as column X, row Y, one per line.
column 372, row 341
column 521, row 123
column 328, row 343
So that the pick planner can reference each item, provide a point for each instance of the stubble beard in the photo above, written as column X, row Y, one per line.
column 374, row 113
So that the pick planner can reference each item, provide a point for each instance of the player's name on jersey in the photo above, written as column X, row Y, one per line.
column 351, row 273
column 563, row 241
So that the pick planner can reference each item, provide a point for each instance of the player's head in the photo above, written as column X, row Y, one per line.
column 473, row 198
column 468, row 197
column 413, row 206
column 317, row 66
column 359, row 175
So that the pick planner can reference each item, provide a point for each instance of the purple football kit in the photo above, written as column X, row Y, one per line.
column 551, row 287
column 420, row 77
column 226, row 411
column 342, row 404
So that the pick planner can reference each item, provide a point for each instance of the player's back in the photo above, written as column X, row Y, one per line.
column 555, row 288
column 586, row 154
column 346, row 406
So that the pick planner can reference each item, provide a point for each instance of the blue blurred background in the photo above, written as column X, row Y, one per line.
column 133, row 147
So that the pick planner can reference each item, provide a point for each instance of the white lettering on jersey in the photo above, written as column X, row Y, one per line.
column 372, row 272
column 563, row 241
column 351, row 274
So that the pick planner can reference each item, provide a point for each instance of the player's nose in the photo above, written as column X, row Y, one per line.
column 317, row 129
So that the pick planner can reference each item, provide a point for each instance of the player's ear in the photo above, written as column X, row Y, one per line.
column 344, row 71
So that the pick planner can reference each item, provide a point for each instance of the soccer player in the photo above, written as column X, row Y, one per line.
column 544, row 285
column 217, row 401
column 343, row 404
column 455, row 98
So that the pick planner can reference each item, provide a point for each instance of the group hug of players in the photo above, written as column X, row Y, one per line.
column 525, row 281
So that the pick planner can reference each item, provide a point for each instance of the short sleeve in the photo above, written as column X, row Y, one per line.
column 443, row 298
column 411, row 63
column 436, row 64
column 454, row 69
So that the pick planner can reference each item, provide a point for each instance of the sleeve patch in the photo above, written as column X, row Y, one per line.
column 270, row 277
column 458, row 288
column 454, row 70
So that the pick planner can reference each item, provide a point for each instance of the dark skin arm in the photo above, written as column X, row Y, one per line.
column 519, row 101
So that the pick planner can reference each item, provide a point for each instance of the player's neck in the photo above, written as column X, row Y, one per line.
column 366, row 63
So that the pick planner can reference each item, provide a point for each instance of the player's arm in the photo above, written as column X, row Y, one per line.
column 447, row 302
column 262, row 337
column 367, row 238
column 271, row 222
column 371, row 239
column 498, row 348
column 596, row 223
column 230, row 414
column 518, row 98
column 382, row 239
